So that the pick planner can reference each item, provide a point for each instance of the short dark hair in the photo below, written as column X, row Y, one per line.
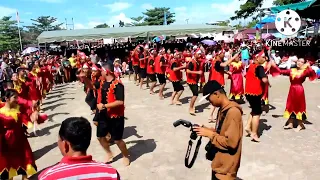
column 77, row 131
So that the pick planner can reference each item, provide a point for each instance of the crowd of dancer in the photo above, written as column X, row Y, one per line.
column 105, row 92
column 20, row 111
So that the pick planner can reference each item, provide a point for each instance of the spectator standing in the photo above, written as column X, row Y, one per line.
column 245, row 55
column 93, row 57
column 73, row 142
column 226, row 138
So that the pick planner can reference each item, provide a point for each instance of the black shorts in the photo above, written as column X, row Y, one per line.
column 136, row 69
column 130, row 66
column 114, row 126
column 194, row 89
column 255, row 104
column 143, row 73
column 161, row 78
column 152, row 77
column 177, row 86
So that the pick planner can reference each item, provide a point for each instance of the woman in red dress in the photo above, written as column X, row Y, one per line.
column 34, row 88
column 236, row 77
column 16, row 156
column 296, row 101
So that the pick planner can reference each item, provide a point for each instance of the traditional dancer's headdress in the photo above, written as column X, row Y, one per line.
column 260, row 54
column 95, row 68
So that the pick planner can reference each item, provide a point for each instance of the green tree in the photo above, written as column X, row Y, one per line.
column 252, row 23
column 153, row 16
column 45, row 23
column 9, row 35
column 252, row 6
column 238, row 26
column 137, row 21
column 224, row 23
column 104, row 25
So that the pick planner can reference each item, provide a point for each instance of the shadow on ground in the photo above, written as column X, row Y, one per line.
column 50, row 117
column 56, row 100
column 139, row 148
column 41, row 152
column 131, row 131
column 263, row 126
column 45, row 131
column 53, row 107
column 201, row 107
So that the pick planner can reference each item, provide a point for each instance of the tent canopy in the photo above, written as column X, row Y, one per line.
column 264, row 21
column 135, row 31
column 296, row 6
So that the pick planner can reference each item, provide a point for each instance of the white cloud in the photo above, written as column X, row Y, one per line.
column 114, row 20
column 5, row 11
column 79, row 26
column 118, row 6
column 214, row 12
column 52, row 1
column 147, row 6
column 227, row 8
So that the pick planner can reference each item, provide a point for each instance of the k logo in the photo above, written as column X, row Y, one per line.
column 288, row 22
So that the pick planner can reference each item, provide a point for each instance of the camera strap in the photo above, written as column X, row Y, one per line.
column 186, row 159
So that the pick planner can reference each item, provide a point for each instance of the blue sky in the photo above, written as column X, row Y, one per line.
column 88, row 14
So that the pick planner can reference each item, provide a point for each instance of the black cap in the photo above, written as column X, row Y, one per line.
column 209, row 88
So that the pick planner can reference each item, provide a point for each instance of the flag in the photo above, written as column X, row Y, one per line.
column 18, row 18
column 257, row 33
column 165, row 18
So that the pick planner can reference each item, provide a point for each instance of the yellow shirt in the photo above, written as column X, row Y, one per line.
column 72, row 61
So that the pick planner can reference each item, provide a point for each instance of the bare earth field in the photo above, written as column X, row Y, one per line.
column 158, row 149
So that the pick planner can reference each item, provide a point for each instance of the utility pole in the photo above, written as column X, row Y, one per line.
column 72, row 24
column 187, row 21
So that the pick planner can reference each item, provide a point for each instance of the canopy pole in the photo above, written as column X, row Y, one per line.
column 148, row 38
column 38, row 46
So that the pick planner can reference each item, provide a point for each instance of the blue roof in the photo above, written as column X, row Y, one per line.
column 269, row 19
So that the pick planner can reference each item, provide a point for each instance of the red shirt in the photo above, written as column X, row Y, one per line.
column 80, row 168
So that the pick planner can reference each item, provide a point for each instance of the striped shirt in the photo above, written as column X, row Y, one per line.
column 84, row 168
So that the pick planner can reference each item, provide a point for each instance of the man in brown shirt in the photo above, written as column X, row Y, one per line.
column 226, row 137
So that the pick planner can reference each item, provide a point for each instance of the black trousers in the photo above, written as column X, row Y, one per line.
column 213, row 176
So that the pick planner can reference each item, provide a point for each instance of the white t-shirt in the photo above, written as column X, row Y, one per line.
column 277, row 59
column 227, row 56
column 293, row 59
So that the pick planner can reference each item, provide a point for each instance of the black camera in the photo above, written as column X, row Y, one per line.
column 211, row 151
column 193, row 136
column 187, row 124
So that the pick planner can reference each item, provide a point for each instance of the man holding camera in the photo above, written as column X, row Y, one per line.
column 224, row 147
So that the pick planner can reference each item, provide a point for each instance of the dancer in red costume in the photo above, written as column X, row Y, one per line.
column 44, row 74
column 255, row 80
column 160, row 66
column 19, row 84
column 217, row 72
column 34, row 118
column 16, row 156
column 34, row 86
column 175, row 76
column 236, row 77
column 193, row 73
column 296, row 101
column 150, row 70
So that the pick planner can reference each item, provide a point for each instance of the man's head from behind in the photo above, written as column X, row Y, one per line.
column 74, row 136
column 214, row 93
